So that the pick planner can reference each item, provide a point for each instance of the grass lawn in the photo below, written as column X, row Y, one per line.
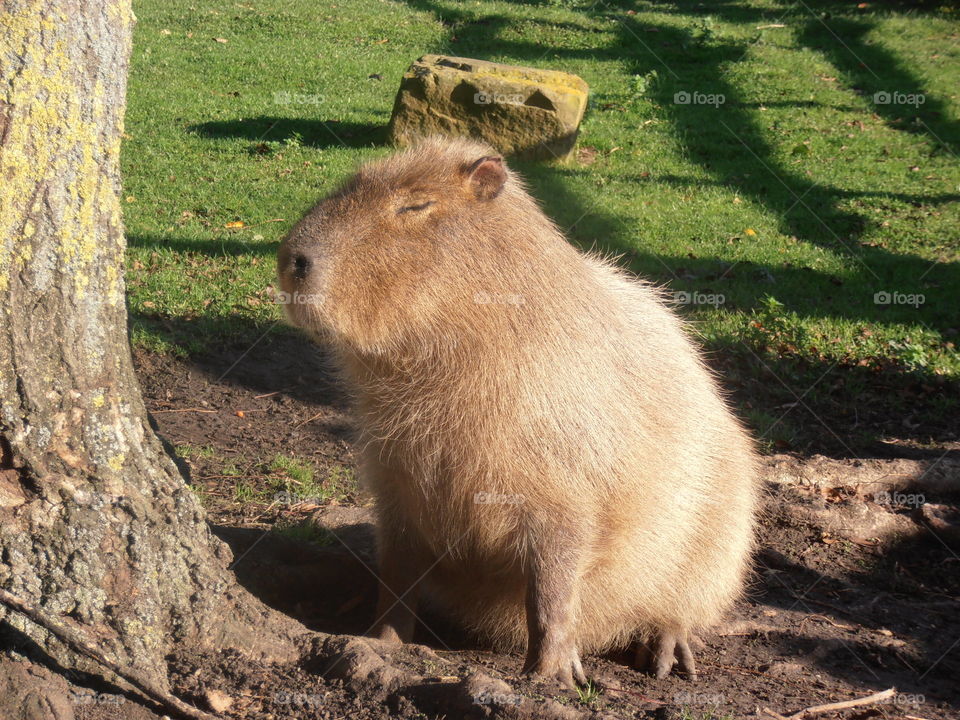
column 802, row 202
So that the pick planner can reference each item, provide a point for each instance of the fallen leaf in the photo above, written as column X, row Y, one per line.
column 833, row 495
column 235, row 224
column 751, row 232
column 221, row 40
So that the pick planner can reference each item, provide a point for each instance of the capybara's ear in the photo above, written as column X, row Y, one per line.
column 486, row 177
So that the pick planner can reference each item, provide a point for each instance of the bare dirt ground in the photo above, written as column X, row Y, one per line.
column 856, row 586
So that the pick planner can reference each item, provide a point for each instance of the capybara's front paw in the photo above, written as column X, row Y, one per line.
column 658, row 655
column 562, row 665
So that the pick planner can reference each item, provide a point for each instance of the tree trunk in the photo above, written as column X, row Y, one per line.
column 95, row 519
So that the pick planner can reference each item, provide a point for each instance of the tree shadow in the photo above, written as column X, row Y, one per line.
column 869, row 68
column 475, row 33
column 313, row 133
column 895, row 93
column 915, row 199
column 230, row 244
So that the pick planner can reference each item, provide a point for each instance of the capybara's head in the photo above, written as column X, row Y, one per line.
column 377, row 257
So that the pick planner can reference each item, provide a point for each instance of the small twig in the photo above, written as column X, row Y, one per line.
column 266, row 395
column 199, row 410
column 771, row 25
column 826, row 620
column 319, row 414
column 75, row 641
column 829, row 707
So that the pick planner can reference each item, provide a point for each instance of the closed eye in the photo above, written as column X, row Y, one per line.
column 415, row 208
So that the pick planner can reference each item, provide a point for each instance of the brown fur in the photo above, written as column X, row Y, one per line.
column 487, row 355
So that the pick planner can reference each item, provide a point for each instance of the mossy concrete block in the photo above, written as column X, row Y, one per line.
column 521, row 111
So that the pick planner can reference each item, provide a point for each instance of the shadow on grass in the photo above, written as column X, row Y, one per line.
column 478, row 34
column 834, row 29
column 265, row 129
column 882, row 78
column 230, row 244
column 915, row 199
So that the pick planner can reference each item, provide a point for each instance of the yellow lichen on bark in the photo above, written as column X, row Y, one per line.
column 53, row 146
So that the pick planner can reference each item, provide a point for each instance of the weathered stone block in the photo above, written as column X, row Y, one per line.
column 521, row 111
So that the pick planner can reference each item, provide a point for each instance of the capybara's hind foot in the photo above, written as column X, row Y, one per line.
column 660, row 653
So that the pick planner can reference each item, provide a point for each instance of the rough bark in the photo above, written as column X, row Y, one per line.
column 96, row 521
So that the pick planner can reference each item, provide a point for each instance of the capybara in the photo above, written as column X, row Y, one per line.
column 552, row 463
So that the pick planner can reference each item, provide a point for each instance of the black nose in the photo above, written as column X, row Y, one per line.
column 301, row 266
